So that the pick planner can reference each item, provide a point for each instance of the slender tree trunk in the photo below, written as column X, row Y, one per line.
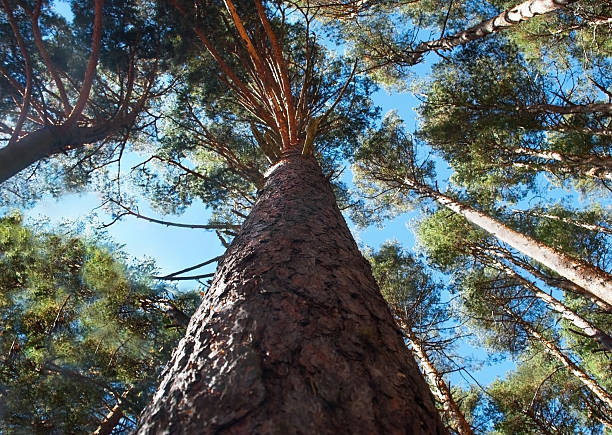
column 293, row 335
column 566, row 110
column 111, row 421
column 542, row 425
column 587, row 328
column 439, row 387
column 558, row 282
column 587, row 226
column 511, row 17
column 588, row 165
column 587, row 276
column 554, row 350
column 585, row 130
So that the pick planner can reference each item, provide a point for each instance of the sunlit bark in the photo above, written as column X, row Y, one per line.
column 587, row 276
column 509, row 18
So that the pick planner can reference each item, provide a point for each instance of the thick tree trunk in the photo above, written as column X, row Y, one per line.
column 44, row 143
column 511, row 17
column 591, row 278
column 293, row 335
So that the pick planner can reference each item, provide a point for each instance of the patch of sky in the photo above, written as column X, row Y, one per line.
column 172, row 248
column 63, row 8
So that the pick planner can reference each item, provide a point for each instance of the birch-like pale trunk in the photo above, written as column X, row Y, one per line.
column 591, row 278
column 589, row 165
column 587, row 226
column 558, row 282
column 566, row 110
column 554, row 350
column 586, row 327
column 509, row 18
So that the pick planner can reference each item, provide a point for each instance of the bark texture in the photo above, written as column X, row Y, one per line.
column 511, row 17
column 293, row 335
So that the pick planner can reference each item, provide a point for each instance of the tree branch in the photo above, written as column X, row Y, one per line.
column 92, row 63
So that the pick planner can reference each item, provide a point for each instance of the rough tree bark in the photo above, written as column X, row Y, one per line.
column 293, row 335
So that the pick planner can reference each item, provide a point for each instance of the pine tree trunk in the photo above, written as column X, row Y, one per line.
column 50, row 140
column 558, row 282
column 293, row 335
column 580, row 224
column 588, row 165
column 587, row 276
column 586, row 327
column 111, row 421
column 511, row 17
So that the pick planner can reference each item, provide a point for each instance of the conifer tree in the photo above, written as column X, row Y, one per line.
column 293, row 313
column 83, row 337
column 415, row 301
column 74, row 88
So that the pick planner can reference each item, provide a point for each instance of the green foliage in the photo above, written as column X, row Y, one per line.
column 78, row 330
column 540, row 395
column 387, row 156
column 592, row 246
column 483, row 112
column 448, row 238
column 126, row 72
column 405, row 284
column 208, row 146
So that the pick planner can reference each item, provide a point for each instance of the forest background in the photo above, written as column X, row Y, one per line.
column 539, row 91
